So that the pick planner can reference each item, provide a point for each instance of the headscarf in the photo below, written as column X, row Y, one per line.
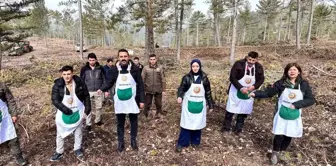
column 199, row 73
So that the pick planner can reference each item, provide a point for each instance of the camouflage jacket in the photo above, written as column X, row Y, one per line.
column 7, row 97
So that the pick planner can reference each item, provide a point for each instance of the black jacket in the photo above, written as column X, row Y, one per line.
column 278, row 87
column 135, row 72
column 7, row 97
column 238, row 71
column 186, row 82
column 81, row 91
column 93, row 79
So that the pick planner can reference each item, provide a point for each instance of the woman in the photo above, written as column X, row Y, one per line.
column 294, row 94
column 194, row 93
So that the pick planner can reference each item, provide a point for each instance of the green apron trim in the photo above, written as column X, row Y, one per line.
column 124, row 94
column 195, row 107
column 0, row 116
column 71, row 119
column 242, row 96
column 288, row 113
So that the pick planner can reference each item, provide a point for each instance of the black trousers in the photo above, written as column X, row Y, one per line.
column 121, row 126
column 281, row 142
column 228, row 121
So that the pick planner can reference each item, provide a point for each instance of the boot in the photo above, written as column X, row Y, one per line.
column 134, row 144
column 121, row 146
column 20, row 160
column 274, row 157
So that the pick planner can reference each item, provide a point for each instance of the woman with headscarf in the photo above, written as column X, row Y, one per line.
column 195, row 94
column 294, row 93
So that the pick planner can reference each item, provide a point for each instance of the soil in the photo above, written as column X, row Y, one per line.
column 30, row 77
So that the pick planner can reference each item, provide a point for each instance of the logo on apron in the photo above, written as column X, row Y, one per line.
column 70, row 100
column 248, row 80
column 124, row 78
column 292, row 95
column 197, row 89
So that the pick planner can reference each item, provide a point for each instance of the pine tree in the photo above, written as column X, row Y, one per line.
column 269, row 9
column 198, row 23
column 9, row 32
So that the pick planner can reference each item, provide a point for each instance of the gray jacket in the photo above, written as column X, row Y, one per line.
column 93, row 78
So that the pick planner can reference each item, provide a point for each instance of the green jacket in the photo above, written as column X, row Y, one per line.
column 7, row 97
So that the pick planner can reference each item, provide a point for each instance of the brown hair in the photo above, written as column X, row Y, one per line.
column 288, row 66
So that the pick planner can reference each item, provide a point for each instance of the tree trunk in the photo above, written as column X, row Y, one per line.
column 80, row 29
column 150, row 43
column 0, row 58
column 265, row 29
column 280, row 27
column 218, row 32
column 197, row 37
column 244, row 34
column 177, row 31
column 311, row 16
column 229, row 29
column 188, row 36
column 289, row 24
column 234, row 32
column 298, row 46
column 180, row 31
column 208, row 39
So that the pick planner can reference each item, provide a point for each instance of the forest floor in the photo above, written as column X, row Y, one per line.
column 30, row 77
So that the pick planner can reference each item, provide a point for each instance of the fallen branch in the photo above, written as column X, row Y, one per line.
column 306, row 156
column 25, row 131
column 328, row 74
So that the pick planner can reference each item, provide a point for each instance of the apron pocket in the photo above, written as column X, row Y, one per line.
column 288, row 113
column 124, row 94
column 242, row 96
column 71, row 119
column 0, row 116
column 195, row 107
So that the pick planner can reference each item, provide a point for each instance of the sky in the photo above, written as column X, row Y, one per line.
column 199, row 4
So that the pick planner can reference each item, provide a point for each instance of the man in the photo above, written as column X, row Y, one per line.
column 94, row 77
column 138, row 64
column 246, row 75
column 107, row 68
column 129, row 95
column 8, row 117
column 72, row 99
column 155, row 85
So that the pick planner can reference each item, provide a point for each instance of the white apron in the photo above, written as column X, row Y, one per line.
column 67, row 124
column 125, row 92
column 239, row 103
column 292, row 127
column 193, row 116
column 7, row 129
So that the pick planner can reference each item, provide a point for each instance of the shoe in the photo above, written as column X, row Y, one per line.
column 194, row 146
column 79, row 154
column 224, row 129
column 274, row 158
column 56, row 157
column 179, row 148
column 121, row 146
column 20, row 160
column 88, row 128
column 134, row 144
column 237, row 131
column 99, row 123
